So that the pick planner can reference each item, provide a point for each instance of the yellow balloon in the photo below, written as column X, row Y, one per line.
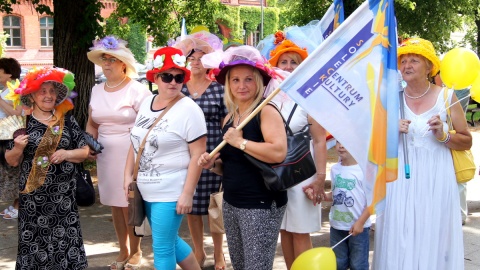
column 459, row 68
column 475, row 90
column 199, row 28
column 322, row 258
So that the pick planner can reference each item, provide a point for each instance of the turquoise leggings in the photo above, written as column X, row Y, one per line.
column 168, row 248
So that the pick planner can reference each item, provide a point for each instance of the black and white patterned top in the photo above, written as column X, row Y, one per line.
column 212, row 104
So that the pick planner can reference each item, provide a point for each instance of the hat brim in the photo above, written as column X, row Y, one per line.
column 151, row 73
column 274, row 60
column 62, row 92
column 95, row 55
column 221, row 76
column 189, row 44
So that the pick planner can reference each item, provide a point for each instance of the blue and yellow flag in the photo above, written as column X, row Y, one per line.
column 349, row 86
column 332, row 18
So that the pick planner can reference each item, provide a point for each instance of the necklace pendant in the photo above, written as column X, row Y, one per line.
column 195, row 95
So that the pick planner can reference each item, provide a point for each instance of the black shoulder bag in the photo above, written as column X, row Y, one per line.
column 298, row 164
column 85, row 192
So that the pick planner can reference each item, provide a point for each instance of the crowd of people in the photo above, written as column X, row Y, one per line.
column 204, row 94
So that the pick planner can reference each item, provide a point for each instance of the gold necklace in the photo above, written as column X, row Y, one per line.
column 106, row 83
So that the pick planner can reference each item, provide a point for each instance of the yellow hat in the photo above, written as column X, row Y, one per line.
column 421, row 47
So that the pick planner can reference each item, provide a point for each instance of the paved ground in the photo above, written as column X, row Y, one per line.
column 101, row 248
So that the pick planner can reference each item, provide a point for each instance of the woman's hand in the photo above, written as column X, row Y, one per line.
column 59, row 156
column 91, row 155
column 20, row 142
column 184, row 204
column 126, row 185
column 233, row 137
column 436, row 126
column 205, row 161
column 315, row 192
column 403, row 125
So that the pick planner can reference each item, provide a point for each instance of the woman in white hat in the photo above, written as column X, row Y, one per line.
column 113, row 107
column 208, row 95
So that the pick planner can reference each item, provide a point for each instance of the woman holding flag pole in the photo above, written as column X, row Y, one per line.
column 421, row 225
column 302, row 217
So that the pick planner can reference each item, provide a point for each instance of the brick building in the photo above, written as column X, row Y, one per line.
column 31, row 34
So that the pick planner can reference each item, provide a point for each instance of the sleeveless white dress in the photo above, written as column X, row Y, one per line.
column 421, row 227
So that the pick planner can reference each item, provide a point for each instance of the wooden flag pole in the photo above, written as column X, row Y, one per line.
column 250, row 117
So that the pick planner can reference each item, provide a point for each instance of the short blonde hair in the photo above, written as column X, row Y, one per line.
column 230, row 100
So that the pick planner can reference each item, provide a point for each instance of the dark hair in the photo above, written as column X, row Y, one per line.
column 11, row 66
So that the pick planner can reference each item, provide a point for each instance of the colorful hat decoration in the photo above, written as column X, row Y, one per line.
column 165, row 59
column 62, row 79
column 115, row 47
column 234, row 56
column 283, row 46
column 199, row 41
column 421, row 47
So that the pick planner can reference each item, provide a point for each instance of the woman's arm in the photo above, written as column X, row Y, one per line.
column 274, row 147
column 8, row 108
column 319, row 138
column 15, row 155
column 75, row 156
column 462, row 139
column 196, row 148
column 128, row 172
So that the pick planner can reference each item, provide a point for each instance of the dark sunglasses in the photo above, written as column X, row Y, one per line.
column 168, row 77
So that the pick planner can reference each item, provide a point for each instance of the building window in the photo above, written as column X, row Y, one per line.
column 256, row 36
column 11, row 25
column 46, row 31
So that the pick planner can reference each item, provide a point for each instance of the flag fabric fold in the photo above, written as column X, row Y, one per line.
column 349, row 86
column 332, row 18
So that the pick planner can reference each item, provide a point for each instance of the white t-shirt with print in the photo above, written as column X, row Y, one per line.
column 349, row 198
column 165, row 159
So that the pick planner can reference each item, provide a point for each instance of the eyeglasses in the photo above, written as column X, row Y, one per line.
column 168, row 77
column 108, row 60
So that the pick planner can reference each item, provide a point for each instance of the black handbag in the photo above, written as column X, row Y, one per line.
column 297, row 166
column 85, row 193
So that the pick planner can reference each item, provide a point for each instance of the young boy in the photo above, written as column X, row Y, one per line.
column 349, row 213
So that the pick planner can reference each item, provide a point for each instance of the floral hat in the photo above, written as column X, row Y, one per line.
column 115, row 47
column 165, row 59
column 283, row 45
column 421, row 47
column 62, row 79
column 199, row 41
column 241, row 55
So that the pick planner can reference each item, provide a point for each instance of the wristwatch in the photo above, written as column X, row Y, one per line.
column 243, row 145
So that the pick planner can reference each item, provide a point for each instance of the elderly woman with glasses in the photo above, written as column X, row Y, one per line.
column 113, row 107
column 168, row 172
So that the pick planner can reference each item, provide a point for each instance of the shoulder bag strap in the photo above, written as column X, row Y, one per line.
column 142, row 145
column 447, row 108
column 291, row 113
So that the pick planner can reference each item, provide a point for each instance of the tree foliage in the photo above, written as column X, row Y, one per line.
column 134, row 33
column 162, row 18
column 73, row 33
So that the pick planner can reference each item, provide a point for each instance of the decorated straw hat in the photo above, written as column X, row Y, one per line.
column 62, row 79
column 199, row 41
column 115, row 47
column 421, row 47
column 235, row 56
column 165, row 59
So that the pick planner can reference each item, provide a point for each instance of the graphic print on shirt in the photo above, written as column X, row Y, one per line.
column 146, row 167
column 340, row 196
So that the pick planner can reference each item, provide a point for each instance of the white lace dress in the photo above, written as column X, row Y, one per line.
column 421, row 226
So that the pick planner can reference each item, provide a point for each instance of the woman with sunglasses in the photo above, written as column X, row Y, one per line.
column 113, row 108
column 168, row 172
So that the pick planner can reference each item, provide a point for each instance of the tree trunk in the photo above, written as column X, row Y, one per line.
column 72, row 37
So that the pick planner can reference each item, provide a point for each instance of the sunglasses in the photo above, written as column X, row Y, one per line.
column 168, row 77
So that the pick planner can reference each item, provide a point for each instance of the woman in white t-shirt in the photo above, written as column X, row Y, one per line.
column 9, row 70
column 168, row 172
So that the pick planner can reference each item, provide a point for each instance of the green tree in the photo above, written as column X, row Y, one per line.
column 134, row 33
column 162, row 18
column 73, row 33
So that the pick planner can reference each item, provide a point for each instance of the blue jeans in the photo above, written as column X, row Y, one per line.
column 352, row 252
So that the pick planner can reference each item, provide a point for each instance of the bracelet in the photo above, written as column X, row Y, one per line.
column 442, row 140
column 447, row 139
column 213, row 167
column 321, row 173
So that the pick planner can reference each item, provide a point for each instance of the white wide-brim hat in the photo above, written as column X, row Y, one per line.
column 114, row 47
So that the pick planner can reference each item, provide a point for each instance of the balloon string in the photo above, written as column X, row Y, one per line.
column 372, row 220
column 441, row 111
